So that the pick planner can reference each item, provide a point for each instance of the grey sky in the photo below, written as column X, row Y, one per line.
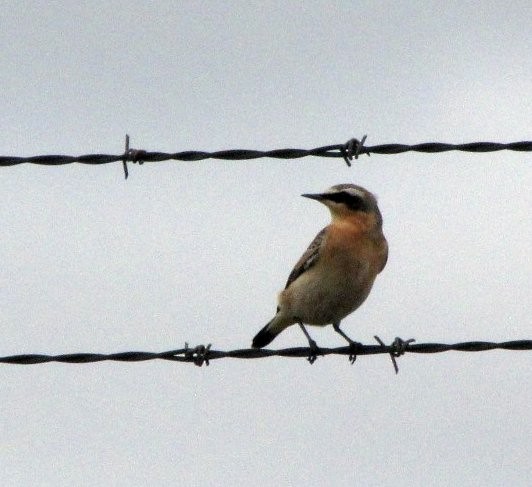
column 196, row 252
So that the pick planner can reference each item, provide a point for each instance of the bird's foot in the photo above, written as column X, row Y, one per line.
column 354, row 350
column 354, row 347
column 314, row 351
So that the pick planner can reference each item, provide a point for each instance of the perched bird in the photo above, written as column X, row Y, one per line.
column 335, row 275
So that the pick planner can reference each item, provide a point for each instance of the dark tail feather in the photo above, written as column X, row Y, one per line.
column 264, row 337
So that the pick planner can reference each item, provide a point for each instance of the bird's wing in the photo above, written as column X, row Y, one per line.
column 308, row 259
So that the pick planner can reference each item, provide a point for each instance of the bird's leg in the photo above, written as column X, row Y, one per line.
column 314, row 349
column 354, row 346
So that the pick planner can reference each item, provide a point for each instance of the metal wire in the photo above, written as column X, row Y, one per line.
column 203, row 354
column 352, row 148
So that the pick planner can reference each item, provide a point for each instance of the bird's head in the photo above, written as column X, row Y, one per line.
column 347, row 201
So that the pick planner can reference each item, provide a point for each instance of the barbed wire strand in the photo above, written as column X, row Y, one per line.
column 353, row 148
column 204, row 354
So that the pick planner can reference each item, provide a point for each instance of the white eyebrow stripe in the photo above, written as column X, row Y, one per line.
column 356, row 192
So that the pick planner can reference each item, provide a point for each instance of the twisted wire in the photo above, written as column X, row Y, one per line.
column 347, row 151
column 203, row 354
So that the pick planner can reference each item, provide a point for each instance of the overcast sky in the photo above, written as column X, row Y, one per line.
column 196, row 252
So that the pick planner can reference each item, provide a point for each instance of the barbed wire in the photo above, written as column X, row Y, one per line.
column 353, row 148
column 204, row 354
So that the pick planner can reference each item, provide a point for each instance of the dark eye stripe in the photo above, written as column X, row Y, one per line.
column 348, row 199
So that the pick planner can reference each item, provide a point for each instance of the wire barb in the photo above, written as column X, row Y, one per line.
column 198, row 355
column 397, row 348
column 132, row 155
column 353, row 148
column 126, row 155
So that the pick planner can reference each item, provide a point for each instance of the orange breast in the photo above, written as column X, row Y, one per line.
column 357, row 239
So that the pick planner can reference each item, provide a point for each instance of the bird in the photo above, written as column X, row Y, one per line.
column 336, row 273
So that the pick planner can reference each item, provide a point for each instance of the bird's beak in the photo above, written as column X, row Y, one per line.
column 317, row 197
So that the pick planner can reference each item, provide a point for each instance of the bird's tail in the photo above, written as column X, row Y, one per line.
column 270, row 331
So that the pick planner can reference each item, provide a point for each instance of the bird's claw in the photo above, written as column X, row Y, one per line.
column 314, row 351
column 354, row 349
